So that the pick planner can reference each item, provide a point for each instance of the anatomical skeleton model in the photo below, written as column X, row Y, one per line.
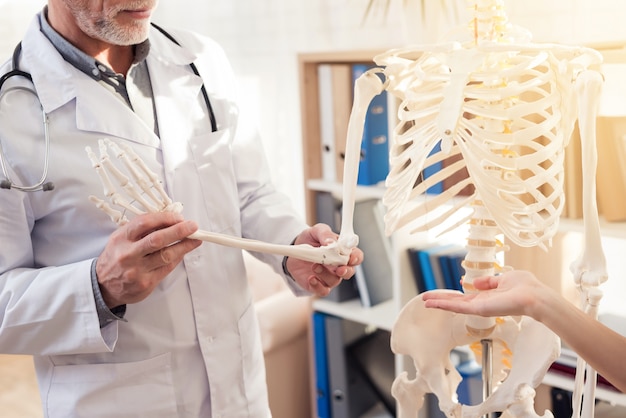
column 507, row 107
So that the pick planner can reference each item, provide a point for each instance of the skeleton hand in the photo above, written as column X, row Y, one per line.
column 319, row 279
column 145, row 194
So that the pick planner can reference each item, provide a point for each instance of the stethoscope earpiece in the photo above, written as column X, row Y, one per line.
column 8, row 185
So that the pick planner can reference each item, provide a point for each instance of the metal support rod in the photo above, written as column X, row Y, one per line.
column 487, row 371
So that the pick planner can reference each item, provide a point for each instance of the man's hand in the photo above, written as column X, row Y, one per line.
column 140, row 254
column 317, row 278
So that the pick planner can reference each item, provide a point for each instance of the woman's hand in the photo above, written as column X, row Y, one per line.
column 509, row 294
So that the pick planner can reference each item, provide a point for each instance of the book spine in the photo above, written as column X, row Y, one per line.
column 327, row 130
column 374, row 161
column 361, row 285
column 416, row 269
column 376, row 267
column 342, row 105
column 428, row 171
column 321, row 366
column 427, row 271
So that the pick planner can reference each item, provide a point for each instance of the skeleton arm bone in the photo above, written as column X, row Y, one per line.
column 328, row 254
column 154, row 199
column 590, row 268
column 367, row 86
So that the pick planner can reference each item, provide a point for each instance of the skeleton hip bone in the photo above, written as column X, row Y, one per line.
column 523, row 352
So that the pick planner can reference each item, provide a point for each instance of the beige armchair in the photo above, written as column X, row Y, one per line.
column 284, row 322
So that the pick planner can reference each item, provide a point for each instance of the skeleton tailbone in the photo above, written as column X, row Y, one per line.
column 505, row 108
column 146, row 194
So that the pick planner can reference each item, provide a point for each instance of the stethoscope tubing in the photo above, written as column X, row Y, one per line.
column 8, row 182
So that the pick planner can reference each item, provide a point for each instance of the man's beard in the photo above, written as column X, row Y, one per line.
column 105, row 27
column 116, row 34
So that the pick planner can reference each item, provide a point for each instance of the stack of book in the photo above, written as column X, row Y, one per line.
column 354, row 368
column 437, row 266
column 336, row 92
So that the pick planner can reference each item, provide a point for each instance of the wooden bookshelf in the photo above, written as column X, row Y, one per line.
column 384, row 315
column 309, row 105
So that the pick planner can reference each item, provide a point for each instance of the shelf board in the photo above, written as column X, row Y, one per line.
column 607, row 229
column 382, row 316
column 334, row 57
column 567, row 383
column 336, row 189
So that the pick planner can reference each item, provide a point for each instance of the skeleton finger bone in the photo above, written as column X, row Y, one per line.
column 147, row 195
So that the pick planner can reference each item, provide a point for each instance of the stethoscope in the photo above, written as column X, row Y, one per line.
column 42, row 184
column 8, row 182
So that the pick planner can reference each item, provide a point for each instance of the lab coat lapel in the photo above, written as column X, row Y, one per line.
column 97, row 110
column 180, row 108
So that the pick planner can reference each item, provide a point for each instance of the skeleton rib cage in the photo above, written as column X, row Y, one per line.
column 522, row 116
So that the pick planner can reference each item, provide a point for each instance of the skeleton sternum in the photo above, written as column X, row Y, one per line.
column 461, row 63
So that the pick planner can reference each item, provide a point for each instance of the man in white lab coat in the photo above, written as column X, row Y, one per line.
column 140, row 320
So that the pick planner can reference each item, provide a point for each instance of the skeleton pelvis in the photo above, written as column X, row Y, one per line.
column 523, row 350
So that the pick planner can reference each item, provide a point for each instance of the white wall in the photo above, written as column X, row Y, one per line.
column 263, row 38
column 15, row 15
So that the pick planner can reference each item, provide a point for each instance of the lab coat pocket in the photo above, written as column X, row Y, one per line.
column 137, row 389
column 217, row 188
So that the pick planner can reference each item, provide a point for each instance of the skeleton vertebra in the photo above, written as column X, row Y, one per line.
column 508, row 107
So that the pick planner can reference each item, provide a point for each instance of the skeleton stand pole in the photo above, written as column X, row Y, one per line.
column 487, row 372
column 480, row 261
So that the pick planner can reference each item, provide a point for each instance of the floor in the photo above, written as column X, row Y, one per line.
column 19, row 396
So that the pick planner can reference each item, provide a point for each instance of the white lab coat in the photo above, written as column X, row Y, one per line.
column 193, row 342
